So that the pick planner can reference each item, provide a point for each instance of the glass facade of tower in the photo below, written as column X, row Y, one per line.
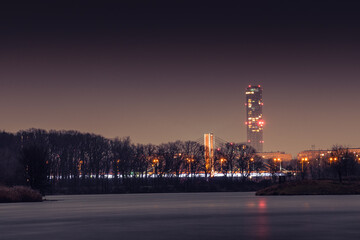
column 254, row 117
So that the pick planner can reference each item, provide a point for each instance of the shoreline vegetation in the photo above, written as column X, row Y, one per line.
column 19, row 194
column 312, row 187
column 70, row 162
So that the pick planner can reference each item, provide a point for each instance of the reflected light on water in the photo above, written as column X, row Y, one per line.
column 251, row 204
column 262, row 205
column 262, row 223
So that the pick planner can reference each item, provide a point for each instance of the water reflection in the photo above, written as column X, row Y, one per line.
column 250, row 204
column 262, row 205
column 262, row 222
column 258, row 216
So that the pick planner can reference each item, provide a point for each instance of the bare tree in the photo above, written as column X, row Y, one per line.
column 35, row 163
column 194, row 157
column 229, row 153
column 342, row 161
column 272, row 168
column 123, row 153
column 246, row 160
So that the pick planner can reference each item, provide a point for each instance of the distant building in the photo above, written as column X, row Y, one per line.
column 209, row 153
column 314, row 154
column 280, row 156
column 254, row 117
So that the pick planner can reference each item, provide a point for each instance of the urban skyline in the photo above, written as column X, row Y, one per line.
column 180, row 119
column 165, row 72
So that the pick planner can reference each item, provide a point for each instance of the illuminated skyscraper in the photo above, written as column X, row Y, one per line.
column 254, row 120
column 209, row 153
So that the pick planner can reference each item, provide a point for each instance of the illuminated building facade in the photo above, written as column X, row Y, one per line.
column 315, row 154
column 209, row 153
column 254, row 117
column 282, row 156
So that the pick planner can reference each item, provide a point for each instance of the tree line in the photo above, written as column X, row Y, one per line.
column 60, row 158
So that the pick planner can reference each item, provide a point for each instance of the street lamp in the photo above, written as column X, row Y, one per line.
column 305, row 159
column 156, row 163
column 333, row 159
column 190, row 160
column 278, row 160
column 252, row 160
column 302, row 163
column 222, row 160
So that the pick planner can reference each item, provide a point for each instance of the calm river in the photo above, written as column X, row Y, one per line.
column 183, row 216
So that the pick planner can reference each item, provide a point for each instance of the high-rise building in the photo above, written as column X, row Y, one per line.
column 209, row 153
column 254, row 117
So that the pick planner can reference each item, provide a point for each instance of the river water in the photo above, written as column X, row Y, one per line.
column 183, row 216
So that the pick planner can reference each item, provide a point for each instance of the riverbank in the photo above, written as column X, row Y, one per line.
column 154, row 185
column 313, row 187
column 19, row 194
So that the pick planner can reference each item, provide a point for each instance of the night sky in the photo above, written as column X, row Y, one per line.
column 162, row 71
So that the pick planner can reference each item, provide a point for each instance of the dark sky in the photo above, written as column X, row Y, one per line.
column 162, row 71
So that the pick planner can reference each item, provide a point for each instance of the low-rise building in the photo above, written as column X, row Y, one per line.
column 314, row 154
column 281, row 156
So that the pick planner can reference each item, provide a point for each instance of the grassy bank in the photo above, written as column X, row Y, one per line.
column 19, row 194
column 314, row 187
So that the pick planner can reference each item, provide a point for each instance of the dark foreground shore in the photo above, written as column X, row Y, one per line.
column 19, row 194
column 313, row 187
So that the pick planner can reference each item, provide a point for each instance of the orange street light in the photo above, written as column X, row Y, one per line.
column 155, row 162
column 189, row 160
column 305, row 159
column 278, row 160
column 333, row 159
column 222, row 160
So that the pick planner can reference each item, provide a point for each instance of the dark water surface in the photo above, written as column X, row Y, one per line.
column 183, row 216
